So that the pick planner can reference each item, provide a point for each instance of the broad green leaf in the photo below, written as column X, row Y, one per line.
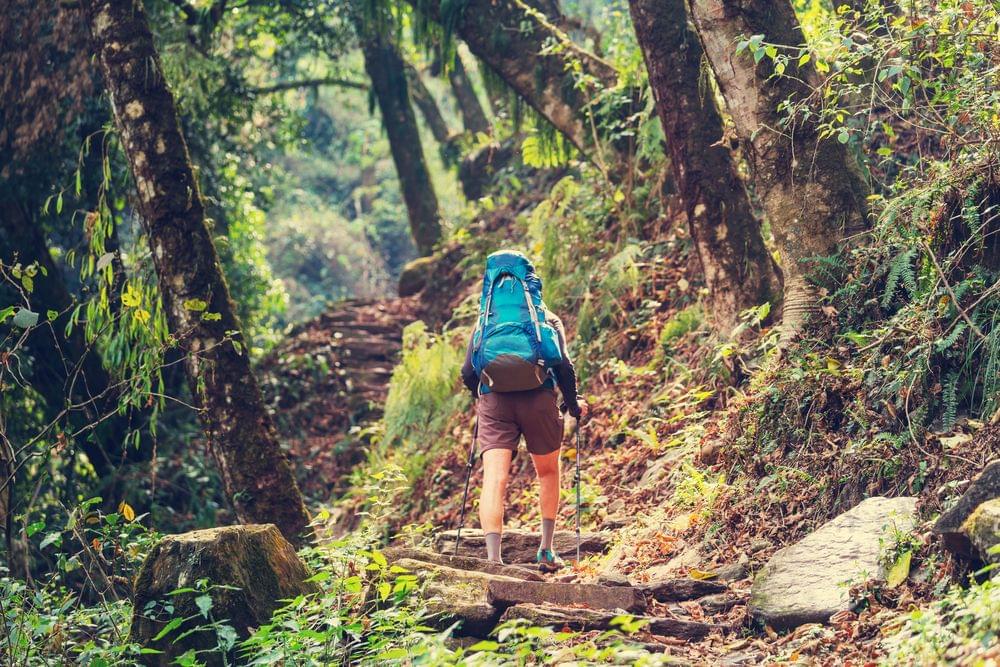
column 25, row 319
column 172, row 625
column 899, row 571
column 204, row 604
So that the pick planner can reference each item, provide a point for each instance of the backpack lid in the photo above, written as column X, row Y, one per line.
column 513, row 262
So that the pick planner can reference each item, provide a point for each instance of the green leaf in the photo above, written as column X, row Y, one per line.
column 393, row 654
column 379, row 558
column 104, row 260
column 384, row 589
column 50, row 538
column 59, row 204
column 52, row 314
column 843, row 137
column 485, row 645
column 204, row 604
column 172, row 625
column 899, row 571
column 804, row 58
column 33, row 528
column 196, row 305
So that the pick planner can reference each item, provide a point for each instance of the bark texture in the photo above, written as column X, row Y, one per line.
column 387, row 73
column 67, row 373
column 510, row 41
column 473, row 116
column 738, row 269
column 255, row 474
column 429, row 109
column 811, row 189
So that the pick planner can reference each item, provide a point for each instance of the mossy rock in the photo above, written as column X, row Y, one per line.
column 247, row 571
column 983, row 529
column 414, row 276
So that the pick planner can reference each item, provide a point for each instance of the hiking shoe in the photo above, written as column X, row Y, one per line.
column 549, row 561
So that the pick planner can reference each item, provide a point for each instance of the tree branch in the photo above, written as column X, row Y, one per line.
column 309, row 83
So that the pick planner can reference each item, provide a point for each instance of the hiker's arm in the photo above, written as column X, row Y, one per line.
column 469, row 377
column 566, row 375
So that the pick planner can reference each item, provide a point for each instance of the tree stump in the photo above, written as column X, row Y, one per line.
column 232, row 579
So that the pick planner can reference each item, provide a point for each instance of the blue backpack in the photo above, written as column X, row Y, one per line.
column 513, row 347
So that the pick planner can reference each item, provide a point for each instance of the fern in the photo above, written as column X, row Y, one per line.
column 948, row 341
column 901, row 269
column 949, row 398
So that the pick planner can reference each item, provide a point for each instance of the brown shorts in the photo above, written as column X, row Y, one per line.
column 505, row 417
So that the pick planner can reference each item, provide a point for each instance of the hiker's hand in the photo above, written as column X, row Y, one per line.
column 579, row 412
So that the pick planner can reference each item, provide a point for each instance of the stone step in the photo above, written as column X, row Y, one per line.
column 466, row 563
column 521, row 546
column 507, row 593
column 457, row 595
column 592, row 619
column 676, row 590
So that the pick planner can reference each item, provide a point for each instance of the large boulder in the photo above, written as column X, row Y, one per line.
column 246, row 570
column 521, row 546
column 983, row 530
column 949, row 526
column 808, row 581
column 457, row 595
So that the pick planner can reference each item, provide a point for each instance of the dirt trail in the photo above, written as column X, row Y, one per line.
column 328, row 375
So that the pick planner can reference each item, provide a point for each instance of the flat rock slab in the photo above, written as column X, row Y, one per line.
column 458, row 595
column 592, row 619
column 521, row 546
column 676, row 590
column 949, row 526
column 467, row 563
column 808, row 582
column 506, row 593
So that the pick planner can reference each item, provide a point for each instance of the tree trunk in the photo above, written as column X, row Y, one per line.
column 255, row 474
column 510, row 41
column 811, row 188
column 738, row 268
column 424, row 101
column 67, row 371
column 473, row 116
column 385, row 69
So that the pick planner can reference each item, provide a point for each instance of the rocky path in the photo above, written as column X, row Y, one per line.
column 479, row 595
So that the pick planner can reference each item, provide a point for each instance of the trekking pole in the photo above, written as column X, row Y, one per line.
column 579, row 443
column 468, row 476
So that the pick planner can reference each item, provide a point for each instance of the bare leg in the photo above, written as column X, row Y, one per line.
column 547, row 469
column 496, row 471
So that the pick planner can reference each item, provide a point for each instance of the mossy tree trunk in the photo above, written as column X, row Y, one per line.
column 738, row 269
column 811, row 188
column 387, row 73
column 255, row 474
column 473, row 117
column 511, row 41
column 427, row 105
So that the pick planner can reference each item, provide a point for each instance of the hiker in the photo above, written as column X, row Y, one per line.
column 515, row 359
